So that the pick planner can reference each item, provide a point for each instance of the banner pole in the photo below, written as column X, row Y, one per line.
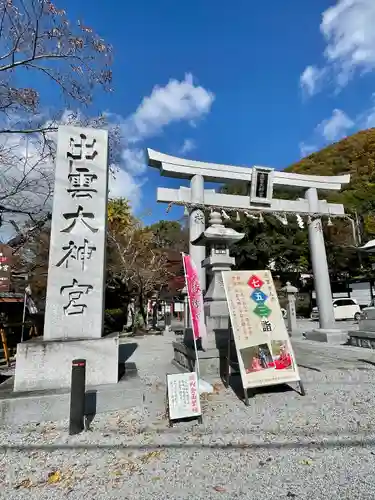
column 192, row 322
column 196, row 358
column 23, row 315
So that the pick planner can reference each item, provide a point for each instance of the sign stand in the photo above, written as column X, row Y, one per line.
column 228, row 368
column 182, row 398
column 264, row 353
column 228, row 373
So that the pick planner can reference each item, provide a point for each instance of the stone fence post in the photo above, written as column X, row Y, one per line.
column 186, row 308
column 291, row 292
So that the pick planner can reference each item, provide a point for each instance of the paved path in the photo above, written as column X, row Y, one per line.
column 284, row 446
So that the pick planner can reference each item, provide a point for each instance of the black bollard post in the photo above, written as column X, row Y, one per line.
column 77, row 397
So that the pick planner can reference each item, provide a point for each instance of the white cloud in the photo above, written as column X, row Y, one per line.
column 366, row 119
column 124, row 185
column 306, row 149
column 370, row 118
column 348, row 30
column 175, row 102
column 187, row 146
column 134, row 160
column 310, row 79
column 336, row 126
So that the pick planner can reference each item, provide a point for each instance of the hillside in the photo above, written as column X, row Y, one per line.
column 288, row 246
column 355, row 155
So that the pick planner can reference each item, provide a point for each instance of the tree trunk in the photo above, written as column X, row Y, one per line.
column 142, row 308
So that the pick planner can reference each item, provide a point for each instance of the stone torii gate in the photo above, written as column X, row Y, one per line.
column 260, row 181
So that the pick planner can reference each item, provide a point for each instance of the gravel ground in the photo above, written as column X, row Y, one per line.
column 320, row 446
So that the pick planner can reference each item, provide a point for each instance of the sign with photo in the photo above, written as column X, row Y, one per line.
column 183, row 396
column 264, row 351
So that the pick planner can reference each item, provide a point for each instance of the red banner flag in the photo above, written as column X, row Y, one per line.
column 195, row 296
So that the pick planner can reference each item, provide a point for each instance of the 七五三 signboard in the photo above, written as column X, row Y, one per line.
column 264, row 351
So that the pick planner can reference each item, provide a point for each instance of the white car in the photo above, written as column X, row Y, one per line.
column 342, row 309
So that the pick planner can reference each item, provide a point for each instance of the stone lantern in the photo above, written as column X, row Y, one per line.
column 218, row 239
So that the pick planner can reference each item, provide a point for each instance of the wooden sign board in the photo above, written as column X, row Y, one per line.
column 264, row 351
column 183, row 396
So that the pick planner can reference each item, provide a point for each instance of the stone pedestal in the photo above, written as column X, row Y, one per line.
column 47, row 364
column 215, row 301
column 209, row 360
column 365, row 335
column 331, row 336
column 362, row 338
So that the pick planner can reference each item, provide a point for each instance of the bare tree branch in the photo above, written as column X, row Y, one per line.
column 38, row 37
column 28, row 131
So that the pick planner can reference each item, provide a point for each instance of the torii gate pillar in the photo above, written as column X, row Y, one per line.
column 319, row 265
column 197, row 227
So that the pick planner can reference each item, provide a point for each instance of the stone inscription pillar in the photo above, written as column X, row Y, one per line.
column 197, row 226
column 320, row 265
column 76, row 270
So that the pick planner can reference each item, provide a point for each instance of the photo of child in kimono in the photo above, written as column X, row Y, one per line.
column 282, row 358
column 257, row 358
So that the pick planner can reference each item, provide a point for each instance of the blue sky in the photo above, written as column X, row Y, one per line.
column 238, row 82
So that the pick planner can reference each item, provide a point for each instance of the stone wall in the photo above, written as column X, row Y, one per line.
column 362, row 339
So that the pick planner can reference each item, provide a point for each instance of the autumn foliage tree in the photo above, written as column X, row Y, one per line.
column 354, row 155
column 135, row 262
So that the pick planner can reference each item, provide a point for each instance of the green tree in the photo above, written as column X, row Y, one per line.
column 170, row 235
column 268, row 242
column 286, row 248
